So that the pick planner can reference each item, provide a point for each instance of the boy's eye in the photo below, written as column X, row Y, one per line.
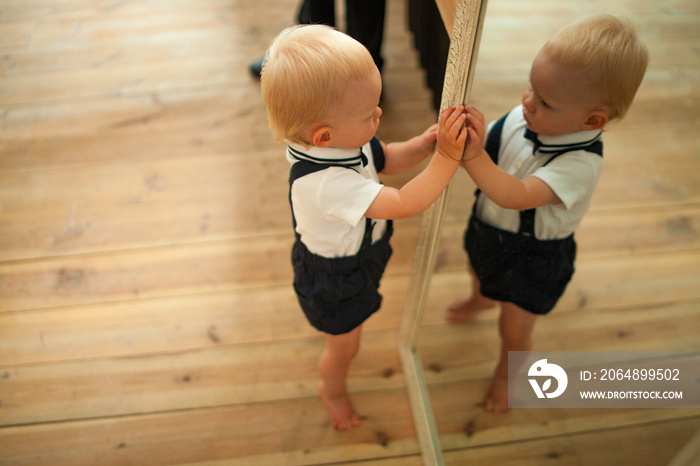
column 545, row 104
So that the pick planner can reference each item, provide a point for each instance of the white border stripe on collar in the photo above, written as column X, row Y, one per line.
column 349, row 161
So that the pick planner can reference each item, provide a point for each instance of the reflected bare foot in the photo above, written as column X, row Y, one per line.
column 463, row 309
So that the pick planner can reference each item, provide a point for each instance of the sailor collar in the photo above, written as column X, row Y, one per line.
column 328, row 155
column 563, row 143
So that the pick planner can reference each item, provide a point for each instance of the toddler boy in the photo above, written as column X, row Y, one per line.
column 322, row 89
column 537, row 175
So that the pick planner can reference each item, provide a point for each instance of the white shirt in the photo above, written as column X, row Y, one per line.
column 329, row 205
column 572, row 176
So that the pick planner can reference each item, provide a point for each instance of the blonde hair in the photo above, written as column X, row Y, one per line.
column 306, row 72
column 612, row 53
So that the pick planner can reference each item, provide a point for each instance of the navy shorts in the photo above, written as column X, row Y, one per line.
column 523, row 270
column 339, row 294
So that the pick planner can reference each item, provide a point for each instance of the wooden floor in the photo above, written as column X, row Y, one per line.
column 146, row 312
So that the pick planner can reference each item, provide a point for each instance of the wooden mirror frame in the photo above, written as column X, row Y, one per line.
column 465, row 19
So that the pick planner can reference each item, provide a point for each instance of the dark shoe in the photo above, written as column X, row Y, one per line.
column 256, row 67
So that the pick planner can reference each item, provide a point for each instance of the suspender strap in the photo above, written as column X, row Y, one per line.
column 304, row 167
column 493, row 142
column 377, row 154
column 493, row 145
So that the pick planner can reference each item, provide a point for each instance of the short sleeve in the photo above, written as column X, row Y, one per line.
column 572, row 176
column 346, row 195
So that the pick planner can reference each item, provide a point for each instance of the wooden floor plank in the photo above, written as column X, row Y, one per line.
column 463, row 423
column 157, row 222
column 623, row 446
column 179, row 380
column 235, row 265
column 300, row 431
column 169, row 325
column 606, row 448
column 160, row 125
column 156, row 204
column 111, row 112
column 164, row 371
column 157, row 180
column 622, row 282
column 153, row 195
column 141, row 77
column 302, row 438
column 470, row 350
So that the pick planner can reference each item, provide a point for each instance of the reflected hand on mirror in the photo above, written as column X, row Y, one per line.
column 477, row 134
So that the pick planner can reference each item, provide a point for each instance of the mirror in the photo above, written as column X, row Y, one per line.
column 467, row 21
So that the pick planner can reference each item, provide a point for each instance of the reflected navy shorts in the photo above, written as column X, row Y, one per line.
column 523, row 270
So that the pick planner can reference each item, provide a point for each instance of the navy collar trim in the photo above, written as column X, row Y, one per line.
column 544, row 148
column 358, row 160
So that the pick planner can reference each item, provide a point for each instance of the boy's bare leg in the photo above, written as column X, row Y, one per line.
column 333, row 367
column 515, row 327
column 463, row 309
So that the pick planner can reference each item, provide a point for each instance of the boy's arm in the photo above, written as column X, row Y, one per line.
column 419, row 193
column 501, row 187
column 402, row 156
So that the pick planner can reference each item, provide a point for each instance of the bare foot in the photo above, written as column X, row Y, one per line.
column 343, row 416
column 462, row 310
column 497, row 397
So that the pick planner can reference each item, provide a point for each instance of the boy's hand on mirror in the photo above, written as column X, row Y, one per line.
column 452, row 134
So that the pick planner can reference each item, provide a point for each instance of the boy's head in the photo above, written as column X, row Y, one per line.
column 585, row 76
column 314, row 79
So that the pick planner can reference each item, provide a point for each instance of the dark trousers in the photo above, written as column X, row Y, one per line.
column 364, row 18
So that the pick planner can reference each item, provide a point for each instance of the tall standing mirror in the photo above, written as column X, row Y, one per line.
column 465, row 19
column 635, row 285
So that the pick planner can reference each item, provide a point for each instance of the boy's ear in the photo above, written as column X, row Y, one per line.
column 322, row 137
column 597, row 119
